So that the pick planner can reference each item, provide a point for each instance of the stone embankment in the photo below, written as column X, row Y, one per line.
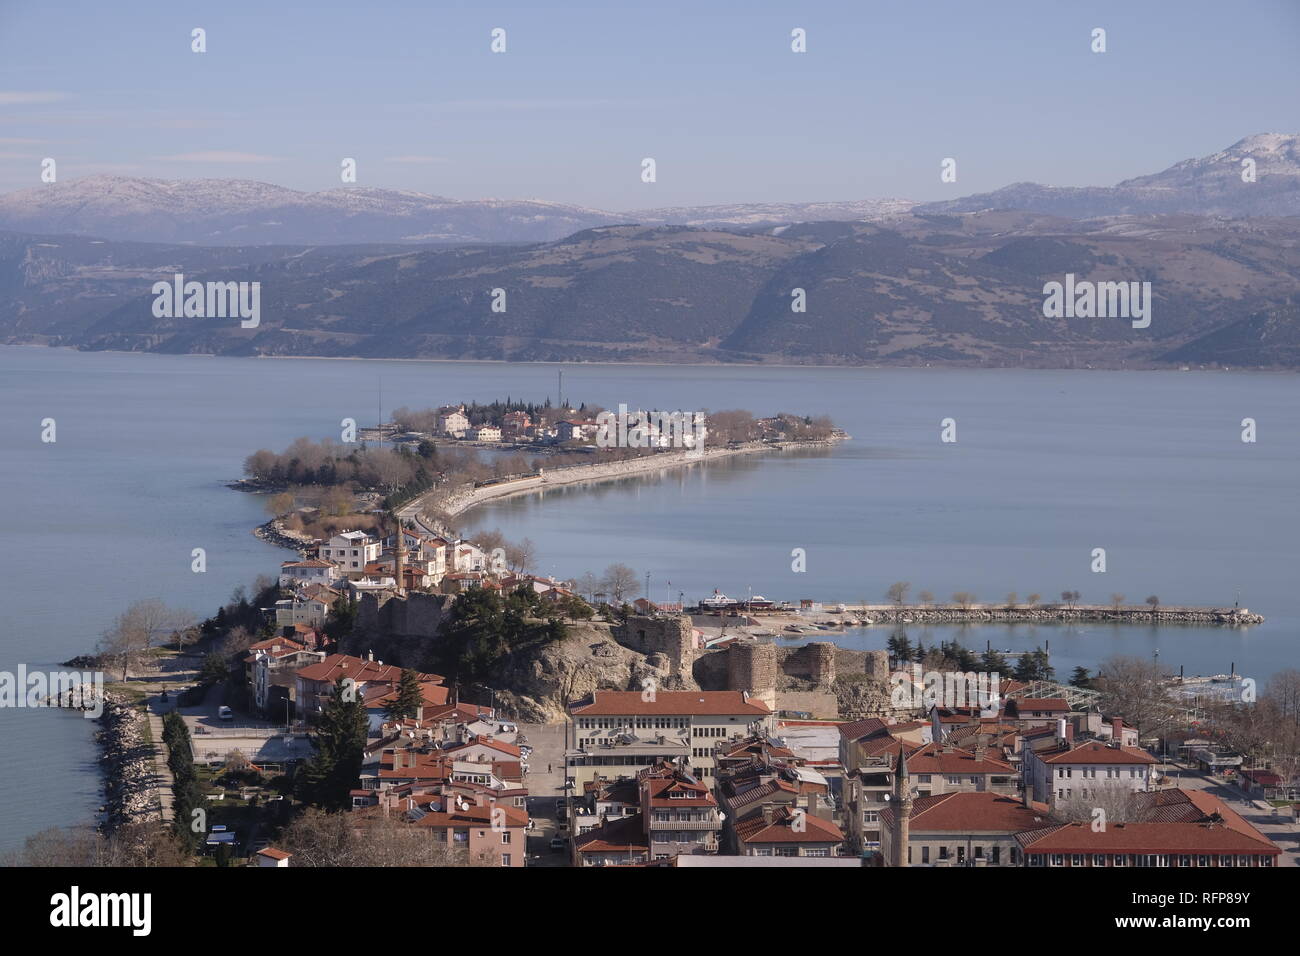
column 274, row 533
column 1050, row 614
column 127, row 756
column 458, row 502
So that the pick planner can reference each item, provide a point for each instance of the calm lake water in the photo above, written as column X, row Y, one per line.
column 1047, row 467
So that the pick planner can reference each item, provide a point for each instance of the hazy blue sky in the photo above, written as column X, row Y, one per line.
column 708, row 88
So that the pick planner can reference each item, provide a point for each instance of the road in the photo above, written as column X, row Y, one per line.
column 1280, row 829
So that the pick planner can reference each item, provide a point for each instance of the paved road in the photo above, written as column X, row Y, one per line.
column 1280, row 829
column 545, row 784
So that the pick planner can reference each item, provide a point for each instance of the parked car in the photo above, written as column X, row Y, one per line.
column 225, row 713
column 557, row 844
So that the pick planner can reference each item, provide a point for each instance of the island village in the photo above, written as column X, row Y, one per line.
column 402, row 695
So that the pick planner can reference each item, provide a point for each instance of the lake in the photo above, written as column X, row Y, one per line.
column 1047, row 466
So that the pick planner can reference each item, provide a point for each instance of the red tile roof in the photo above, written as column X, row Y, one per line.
column 755, row 829
column 1093, row 752
column 971, row 812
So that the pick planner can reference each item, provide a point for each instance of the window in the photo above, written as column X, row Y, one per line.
column 1202, row 860
column 1184, row 860
column 505, row 859
column 1225, row 861
column 997, row 855
column 505, row 836
column 1099, row 859
column 1076, row 859
column 1057, row 859
column 925, row 854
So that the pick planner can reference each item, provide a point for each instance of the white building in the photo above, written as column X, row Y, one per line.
column 1067, row 771
column 314, row 571
column 351, row 551
column 453, row 424
column 484, row 433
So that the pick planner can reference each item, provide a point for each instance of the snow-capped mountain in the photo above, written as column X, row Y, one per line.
column 1210, row 185
column 235, row 211
column 224, row 212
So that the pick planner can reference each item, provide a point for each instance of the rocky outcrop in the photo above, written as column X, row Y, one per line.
column 541, row 682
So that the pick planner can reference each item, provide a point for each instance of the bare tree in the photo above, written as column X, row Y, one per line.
column 1033, row 599
column 926, row 597
column 1136, row 689
column 965, row 599
column 619, row 582
column 128, row 641
column 1116, row 602
column 1069, row 598
column 1012, row 599
column 521, row 555
column 897, row 592
column 1154, row 602
column 365, row 838
column 1118, row 804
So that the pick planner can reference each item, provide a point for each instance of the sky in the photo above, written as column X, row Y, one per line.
column 709, row 89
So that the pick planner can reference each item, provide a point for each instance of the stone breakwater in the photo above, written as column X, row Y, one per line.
column 463, row 500
column 127, row 760
column 274, row 533
column 1080, row 613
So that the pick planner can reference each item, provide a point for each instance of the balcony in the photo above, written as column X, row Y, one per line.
column 713, row 824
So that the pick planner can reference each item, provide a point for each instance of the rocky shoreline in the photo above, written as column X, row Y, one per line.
column 127, row 761
column 272, row 532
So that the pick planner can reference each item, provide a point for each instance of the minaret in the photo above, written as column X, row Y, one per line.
column 399, row 555
column 903, row 811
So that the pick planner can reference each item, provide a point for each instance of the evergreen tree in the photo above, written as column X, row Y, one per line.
column 991, row 662
column 1080, row 677
column 327, row 777
column 410, row 696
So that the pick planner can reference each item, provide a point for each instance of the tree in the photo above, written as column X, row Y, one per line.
column 279, row 504
column 897, row 592
column 1080, row 677
column 965, row 599
column 1116, row 602
column 619, row 582
column 327, row 777
column 341, row 618
column 1119, row 804
column 317, row 838
column 1068, row 598
column 410, row 696
column 992, row 662
column 1034, row 665
column 1012, row 599
column 1154, row 602
column 1033, row 599
column 1136, row 689
column 126, row 643
column 926, row 597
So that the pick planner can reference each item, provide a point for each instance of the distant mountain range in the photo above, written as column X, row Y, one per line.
column 886, row 282
column 924, row 290
column 239, row 212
